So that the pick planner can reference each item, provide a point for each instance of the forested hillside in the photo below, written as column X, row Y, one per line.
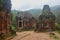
column 36, row 12
column 56, row 11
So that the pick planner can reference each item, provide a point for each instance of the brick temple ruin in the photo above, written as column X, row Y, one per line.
column 5, row 16
column 46, row 20
column 24, row 20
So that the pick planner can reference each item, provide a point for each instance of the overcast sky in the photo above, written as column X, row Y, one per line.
column 30, row 4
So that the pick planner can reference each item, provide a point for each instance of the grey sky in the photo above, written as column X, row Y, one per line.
column 30, row 4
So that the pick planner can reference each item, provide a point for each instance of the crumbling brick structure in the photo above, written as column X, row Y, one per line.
column 46, row 20
column 24, row 20
column 5, row 16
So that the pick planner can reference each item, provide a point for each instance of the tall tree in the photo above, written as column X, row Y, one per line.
column 5, row 4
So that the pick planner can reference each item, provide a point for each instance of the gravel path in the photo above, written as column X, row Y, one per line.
column 30, row 35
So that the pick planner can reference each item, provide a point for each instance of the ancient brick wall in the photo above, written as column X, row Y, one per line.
column 47, row 20
column 5, row 9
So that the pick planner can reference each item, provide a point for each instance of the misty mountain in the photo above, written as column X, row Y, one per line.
column 36, row 12
column 56, row 11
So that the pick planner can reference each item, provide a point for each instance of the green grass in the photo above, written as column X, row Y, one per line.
column 54, row 36
column 3, row 37
column 57, row 27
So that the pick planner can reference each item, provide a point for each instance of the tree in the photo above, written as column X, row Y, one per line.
column 5, row 4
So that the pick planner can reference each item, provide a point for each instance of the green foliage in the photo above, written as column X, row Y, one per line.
column 13, row 28
column 58, row 27
column 27, row 29
column 1, row 3
column 6, row 4
column 14, row 12
column 53, row 36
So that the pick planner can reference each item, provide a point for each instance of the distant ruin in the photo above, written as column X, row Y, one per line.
column 46, row 20
column 24, row 20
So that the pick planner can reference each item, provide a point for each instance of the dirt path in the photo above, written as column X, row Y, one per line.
column 30, row 35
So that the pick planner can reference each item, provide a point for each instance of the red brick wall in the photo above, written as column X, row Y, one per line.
column 4, row 22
